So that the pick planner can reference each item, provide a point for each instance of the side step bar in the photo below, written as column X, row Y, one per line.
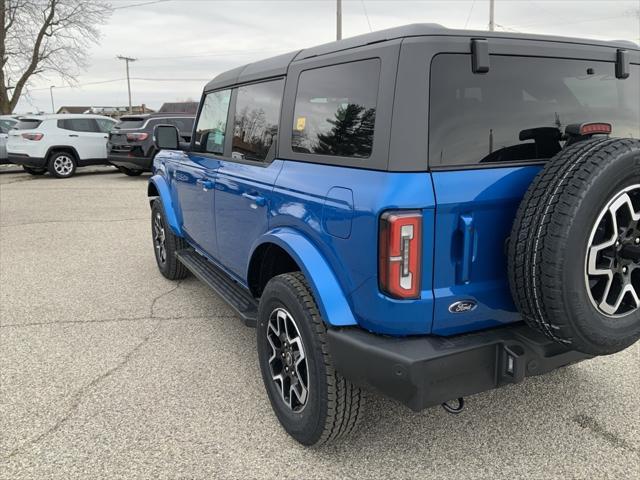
column 235, row 294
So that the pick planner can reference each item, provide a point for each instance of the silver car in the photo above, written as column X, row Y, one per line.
column 6, row 123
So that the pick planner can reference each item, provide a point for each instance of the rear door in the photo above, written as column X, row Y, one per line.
column 489, row 135
column 194, row 174
column 245, row 181
column 85, row 136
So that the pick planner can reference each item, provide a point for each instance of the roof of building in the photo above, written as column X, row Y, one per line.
column 278, row 65
column 59, row 116
column 73, row 109
column 179, row 107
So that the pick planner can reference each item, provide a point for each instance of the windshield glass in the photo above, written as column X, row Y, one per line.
column 6, row 124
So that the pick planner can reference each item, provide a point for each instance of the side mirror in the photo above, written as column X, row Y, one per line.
column 166, row 137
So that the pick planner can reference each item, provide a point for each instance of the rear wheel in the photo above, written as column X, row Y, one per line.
column 62, row 164
column 574, row 254
column 34, row 171
column 313, row 402
column 129, row 171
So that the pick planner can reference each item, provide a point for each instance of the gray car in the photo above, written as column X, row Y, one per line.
column 6, row 123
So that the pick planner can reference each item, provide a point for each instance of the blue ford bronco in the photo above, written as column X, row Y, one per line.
column 423, row 212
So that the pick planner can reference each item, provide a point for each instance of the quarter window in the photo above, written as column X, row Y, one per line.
column 212, row 123
column 335, row 109
column 518, row 110
column 256, row 120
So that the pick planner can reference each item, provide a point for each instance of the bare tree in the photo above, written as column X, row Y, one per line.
column 39, row 37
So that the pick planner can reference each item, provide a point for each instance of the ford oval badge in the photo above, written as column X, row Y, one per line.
column 463, row 306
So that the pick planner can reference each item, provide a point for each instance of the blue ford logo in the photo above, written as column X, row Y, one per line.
column 463, row 306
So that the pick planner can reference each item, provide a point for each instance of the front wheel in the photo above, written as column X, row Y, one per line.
column 166, row 244
column 129, row 171
column 313, row 402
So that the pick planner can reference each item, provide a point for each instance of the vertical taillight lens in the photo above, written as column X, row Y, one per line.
column 400, row 254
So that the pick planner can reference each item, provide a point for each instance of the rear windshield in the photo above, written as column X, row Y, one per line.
column 126, row 123
column 27, row 124
column 6, row 124
column 517, row 110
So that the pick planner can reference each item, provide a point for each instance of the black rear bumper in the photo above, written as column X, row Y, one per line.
column 425, row 371
column 26, row 160
column 131, row 162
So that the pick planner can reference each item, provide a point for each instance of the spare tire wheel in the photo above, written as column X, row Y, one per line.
column 574, row 252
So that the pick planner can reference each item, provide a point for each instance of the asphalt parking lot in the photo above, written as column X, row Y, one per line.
column 107, row 370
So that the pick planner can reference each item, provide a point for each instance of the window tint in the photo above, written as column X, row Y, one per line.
column 335, row 109
column 6, row 124
column 184, row 125
column 212, row 122
column 105, row 125
column 126, row 123
column 256, row 120
column 517, row 111
column 27, row 124
column 79, row 124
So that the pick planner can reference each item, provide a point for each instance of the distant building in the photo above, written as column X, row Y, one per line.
column 179, row 107
column 113, row 112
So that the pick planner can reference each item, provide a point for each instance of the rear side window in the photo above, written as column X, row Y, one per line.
column 335, row 110
column 516, row 111
column 79, row 124
column 212, row 123
column 256, row 120
column 105, row 125
column 6, row 125
column 27, row 124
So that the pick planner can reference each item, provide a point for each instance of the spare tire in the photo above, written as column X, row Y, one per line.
column 574, row 252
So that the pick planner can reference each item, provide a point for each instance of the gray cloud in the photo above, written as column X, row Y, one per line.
column 194, row 40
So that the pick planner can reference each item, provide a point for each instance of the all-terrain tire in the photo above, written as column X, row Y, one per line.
column 34, row 171
column 550, row 245
column 165, row 254
column 334, row 405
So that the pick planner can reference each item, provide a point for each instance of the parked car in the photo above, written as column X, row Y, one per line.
column 59, row 143
column 388, row 209
column 7, row 122
column 130, row 145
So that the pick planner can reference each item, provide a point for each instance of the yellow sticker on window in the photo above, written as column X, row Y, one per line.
column 301, row 122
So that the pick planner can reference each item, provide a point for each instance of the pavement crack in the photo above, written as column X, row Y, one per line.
column 114, row 320
column 77, row 397
column 156, row 299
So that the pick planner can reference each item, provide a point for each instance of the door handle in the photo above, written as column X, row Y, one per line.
column 255, row 198
column 205, row 184
column 466, row 226
column 74, row 135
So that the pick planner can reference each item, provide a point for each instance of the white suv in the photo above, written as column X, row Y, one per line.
column 59, row 143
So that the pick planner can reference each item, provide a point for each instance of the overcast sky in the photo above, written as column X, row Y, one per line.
column 181, row 44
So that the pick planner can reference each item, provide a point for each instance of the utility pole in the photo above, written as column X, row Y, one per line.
column 127, row 60
column 53, row 107
column 492, row 19
column 339, row 20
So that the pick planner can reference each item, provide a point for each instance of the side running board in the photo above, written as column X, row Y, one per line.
column 235, row 294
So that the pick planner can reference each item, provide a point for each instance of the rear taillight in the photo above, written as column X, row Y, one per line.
column 33, row 136
column 137, row 137
column 400, row 254
column 595, row 128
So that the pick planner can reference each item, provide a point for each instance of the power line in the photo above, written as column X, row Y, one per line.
column 140, row 4
column 366, row 14
column 470, row 12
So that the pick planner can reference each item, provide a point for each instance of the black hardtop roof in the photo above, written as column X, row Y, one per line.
column 277, row 66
